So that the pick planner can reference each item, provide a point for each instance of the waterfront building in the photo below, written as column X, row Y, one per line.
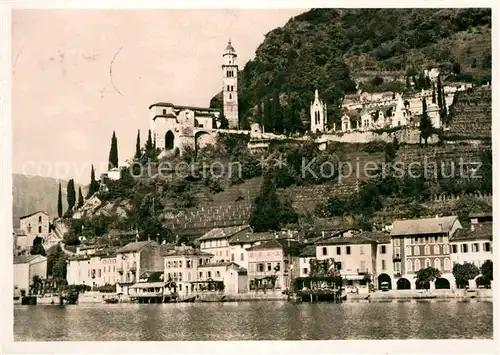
column 181, row 264
column 216, row 242
column 355, row 255
column 421, row 243
column 240, row 242
column 318, row 114
column 231, row 275
column 135, row 258
column 474, row 244
column 308, row 253
column 273, row 264
column 94, row 270
column 25, row 268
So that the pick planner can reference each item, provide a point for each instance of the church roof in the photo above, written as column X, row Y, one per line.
column 164, row 104
column 230, row 49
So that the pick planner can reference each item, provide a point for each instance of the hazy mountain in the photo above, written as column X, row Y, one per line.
column 33, row 193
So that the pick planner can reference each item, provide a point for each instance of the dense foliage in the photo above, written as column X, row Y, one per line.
column 463, row 273
column 37, row 248
column 324, row 48
column 425, row 276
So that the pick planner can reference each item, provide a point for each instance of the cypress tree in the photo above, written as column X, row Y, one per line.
column 408, row 86
column 415, row 83
column 444, row 110
column 80, row 197
column 71, row 194
column 113, row 153
column 439, row 93
column 138, row 146
column 425, row 123
column 268, row 116
column 277, row 114
column 59, row 203
column 150, row 148
column 433, row 93
column 94, row 185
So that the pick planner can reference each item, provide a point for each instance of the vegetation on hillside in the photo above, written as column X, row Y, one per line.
column 328, row 48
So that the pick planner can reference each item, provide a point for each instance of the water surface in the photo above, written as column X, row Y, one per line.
column 265, row 320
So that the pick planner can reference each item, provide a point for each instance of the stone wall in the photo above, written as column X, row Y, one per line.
column 404, row 135
column 470, row 114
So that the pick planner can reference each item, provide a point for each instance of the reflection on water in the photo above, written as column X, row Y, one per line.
column 266, row 320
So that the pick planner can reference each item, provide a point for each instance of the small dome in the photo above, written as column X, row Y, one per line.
column 229, row 49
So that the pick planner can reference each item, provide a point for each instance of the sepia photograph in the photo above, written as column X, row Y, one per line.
column 251, row 174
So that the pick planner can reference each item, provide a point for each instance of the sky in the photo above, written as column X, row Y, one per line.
column 77, row 75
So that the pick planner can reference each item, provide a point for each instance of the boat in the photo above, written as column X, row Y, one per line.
column 189, row 299
column 111, row 300
column 211, row 298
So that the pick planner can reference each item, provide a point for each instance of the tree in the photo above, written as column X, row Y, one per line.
column 71, row 194
column 425, row 123
column 94, row 185
column 59, row 203
column 37, row 248
column 36, row 284
column 138, row 146
column 265, row 214
column 80, row 197
column 113, row 153
column 150, row 148
column 463, row 273
column 56, row 263
column 439, row 93
column 267, row 122
column 408, row 86
column 444, row 110
column 244, row 124
column 427, row 275
column 224, row 123
column 433, row 93
column 487, row 271
column 456, row 68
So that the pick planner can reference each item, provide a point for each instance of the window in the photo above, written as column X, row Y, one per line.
column 475, row 248
column 417, row 265
column 397, row 252
column 40, row 219
column 175, row 263
column 397, row 267
column 427, row 263
column 260, row 267
column 217, row 274
column 446, row 264
column 201, row 274
column 305, row 271
column 348, row 250
column 278, row 266
column 188, row 264
column 230, row 97
column 408, row 266
column 242, row 257
column 232, row 257
column 325, row 251
column 228, row 88
column 269, row 267
column 464, row 248
column 486, row 247
column 180, row 276
column 164, row 111
column 209, row 274
column 427, row 239
column 436, row 250
column 29, row 228
column 446, row 249
column 227, row 252
column 200, row 262
column 39, row 229
column 454, row 248
column 362, row 266
column 396, row 242
column 338, row 251
column 382, row 249
column 383, row 264
column 232, row 88
column 416, row 250
column 361, row 249
column 168, row 265
column 437, row 264
column 180, row 263
column 408, row 251
column 427, row 250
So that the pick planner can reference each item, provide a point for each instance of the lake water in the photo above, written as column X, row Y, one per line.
column 265, row 320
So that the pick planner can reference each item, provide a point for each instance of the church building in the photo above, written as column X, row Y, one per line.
column 318, row 114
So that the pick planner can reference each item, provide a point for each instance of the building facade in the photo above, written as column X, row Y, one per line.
column 92, row 270
column 181, row 265
column 135, row 258
column 422, row 243
column 241, row 242
column 25, row 268
column 235, row 279
column 273, row 264
column 33, row 225
column 216, row 242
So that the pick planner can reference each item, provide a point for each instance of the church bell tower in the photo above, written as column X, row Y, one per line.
column 230, row 86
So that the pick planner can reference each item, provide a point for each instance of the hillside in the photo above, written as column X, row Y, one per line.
column 333, row 50
column 33, row 193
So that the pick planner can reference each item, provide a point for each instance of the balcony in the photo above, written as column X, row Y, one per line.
column 362, row 271
column 396, row 257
